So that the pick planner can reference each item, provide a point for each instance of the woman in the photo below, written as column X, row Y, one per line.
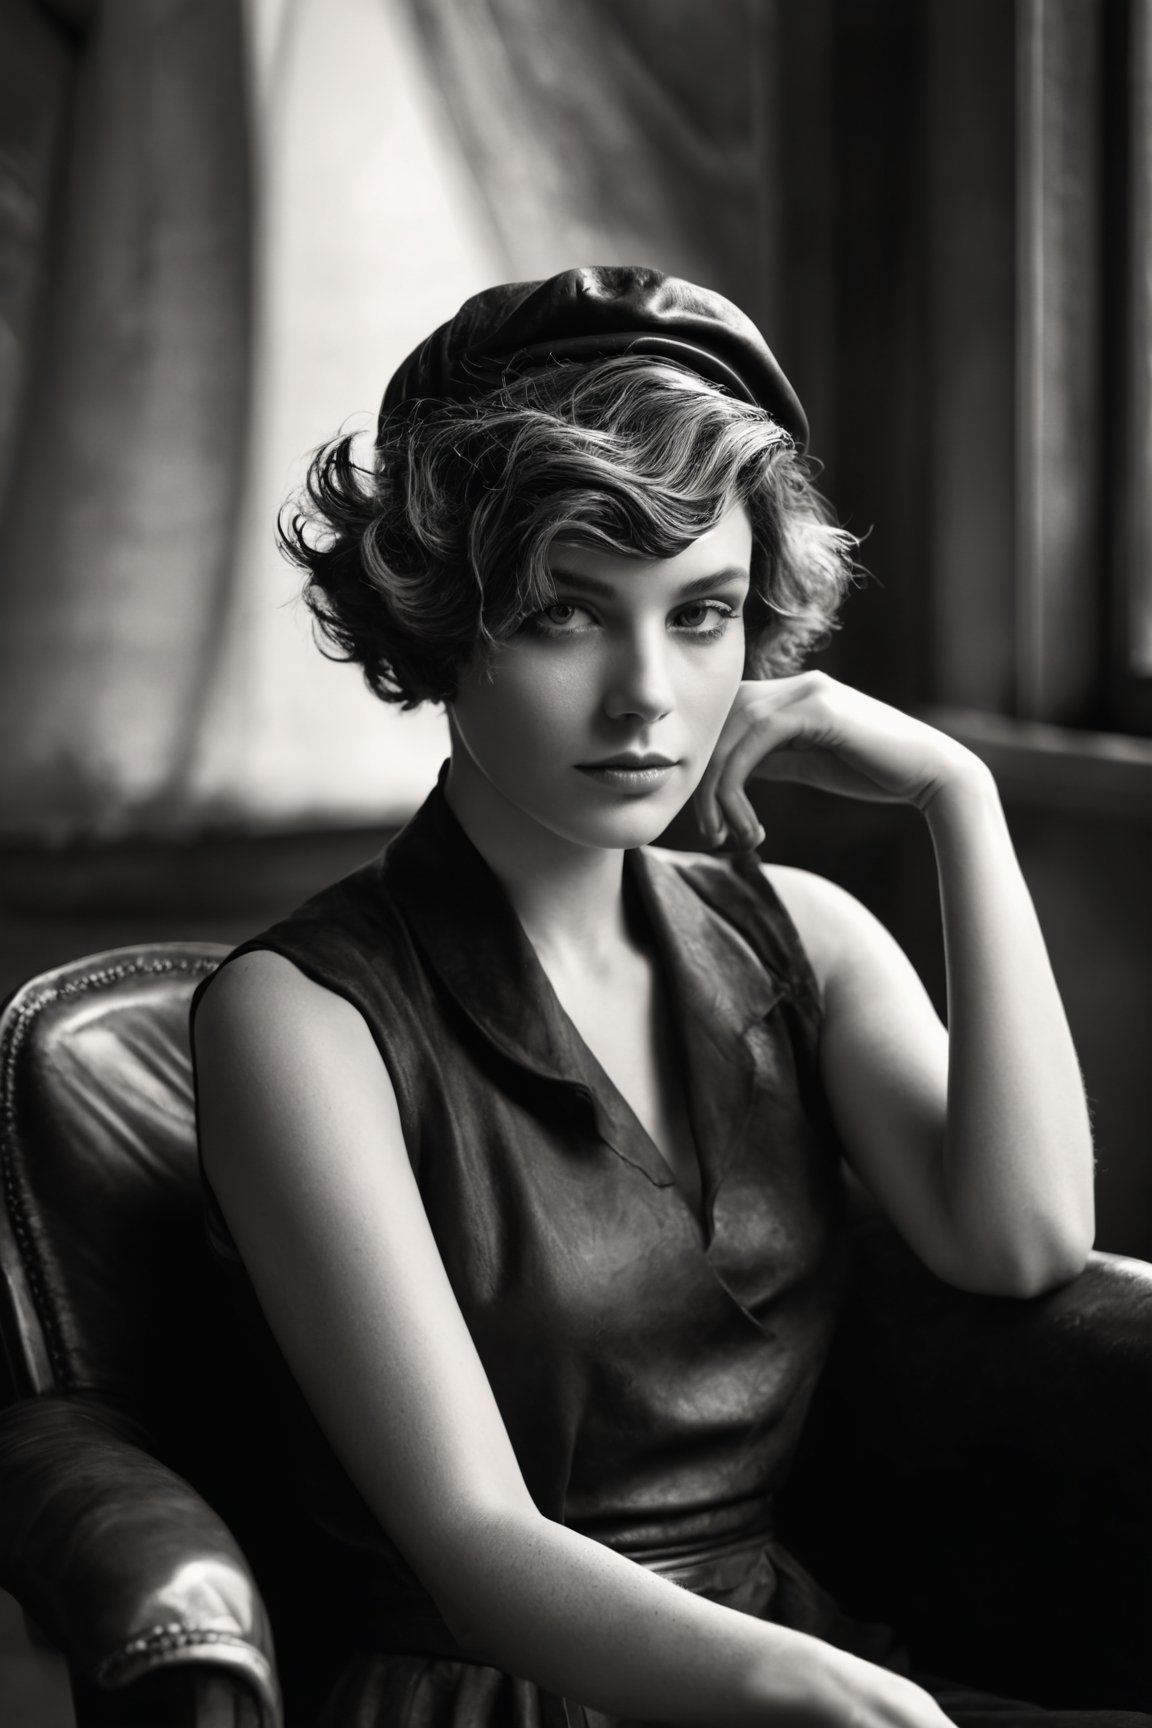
column 528, row 1137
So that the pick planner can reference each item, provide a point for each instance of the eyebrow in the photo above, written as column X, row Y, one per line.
column 605, row 590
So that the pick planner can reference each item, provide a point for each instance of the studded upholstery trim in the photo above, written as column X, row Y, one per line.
column 16, row 1023
column 161, row 1643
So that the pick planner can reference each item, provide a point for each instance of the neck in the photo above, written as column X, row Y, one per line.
column 568, row 897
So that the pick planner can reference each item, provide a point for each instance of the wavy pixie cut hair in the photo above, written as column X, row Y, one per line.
column 420, row 565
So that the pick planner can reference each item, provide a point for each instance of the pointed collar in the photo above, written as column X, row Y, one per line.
column 470, row 934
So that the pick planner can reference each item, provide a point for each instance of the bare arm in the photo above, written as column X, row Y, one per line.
column 303, row 1146
column 1019, row 1140
column 976, row 1139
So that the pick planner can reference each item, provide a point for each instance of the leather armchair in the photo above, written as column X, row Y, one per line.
column 976, row 1471
column 131, row 1445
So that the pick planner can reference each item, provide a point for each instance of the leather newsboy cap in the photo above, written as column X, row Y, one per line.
column 593, row 313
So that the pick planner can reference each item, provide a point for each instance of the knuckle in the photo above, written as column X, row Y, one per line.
column 821, row 693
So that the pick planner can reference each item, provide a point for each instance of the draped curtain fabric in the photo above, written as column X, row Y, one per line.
column 127, row 213
column 368, row 230
column 244, row 216
column 36, row 77
column 222, row 225
column 640, row 131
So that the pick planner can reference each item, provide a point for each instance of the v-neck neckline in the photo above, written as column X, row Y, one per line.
column 633, row 883
column 716, row 987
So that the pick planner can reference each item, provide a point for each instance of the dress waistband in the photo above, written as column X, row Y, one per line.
column 682, row 1556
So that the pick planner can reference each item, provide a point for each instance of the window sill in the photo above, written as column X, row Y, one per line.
column 1056, row 768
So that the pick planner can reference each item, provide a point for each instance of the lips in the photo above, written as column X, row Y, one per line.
column 629, row 776
column 631, row 762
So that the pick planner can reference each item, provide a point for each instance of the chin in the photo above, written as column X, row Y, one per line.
column 618, row 830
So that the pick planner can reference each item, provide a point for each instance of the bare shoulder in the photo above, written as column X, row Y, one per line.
column 837, row 930
column 263, row 988
column 283, row 1065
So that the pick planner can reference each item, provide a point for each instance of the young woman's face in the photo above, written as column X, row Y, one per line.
column 638, row 661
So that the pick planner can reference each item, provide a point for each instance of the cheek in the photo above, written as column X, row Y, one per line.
column 715, row 688
column 524, row 712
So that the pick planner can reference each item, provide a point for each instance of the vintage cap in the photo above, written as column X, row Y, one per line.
column 593, row 313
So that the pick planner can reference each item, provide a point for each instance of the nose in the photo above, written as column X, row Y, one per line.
column 639, row 676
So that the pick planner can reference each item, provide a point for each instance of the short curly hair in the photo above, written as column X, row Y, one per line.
column 436, row 553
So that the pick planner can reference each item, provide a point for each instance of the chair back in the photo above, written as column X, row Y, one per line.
column 109, row 1291
column 101, row 1242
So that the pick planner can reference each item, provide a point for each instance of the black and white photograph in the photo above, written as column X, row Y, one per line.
column 575, row 863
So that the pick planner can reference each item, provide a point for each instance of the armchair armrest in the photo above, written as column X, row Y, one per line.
column 979, row 1475
column 119, row 1560
column 1065, row 1377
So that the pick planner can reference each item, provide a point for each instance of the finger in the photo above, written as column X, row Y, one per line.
column 766, row 733
column 729, row 815
column 742, row 821
column 709, row 820
column 708, row 811
column 733, row 814
column 755, row 699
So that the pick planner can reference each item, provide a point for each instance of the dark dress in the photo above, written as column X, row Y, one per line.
column 653, row 1375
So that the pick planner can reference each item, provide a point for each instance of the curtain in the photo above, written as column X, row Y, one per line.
column 231, row 223
column 223, row 229
column 125, row 159
column 634, row 131
column 368, row 232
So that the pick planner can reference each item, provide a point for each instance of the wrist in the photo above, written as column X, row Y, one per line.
column 801, row 1680
column 966, row 785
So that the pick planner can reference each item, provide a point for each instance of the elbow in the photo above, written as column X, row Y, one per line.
column 1065, row 1262
column 1059, row 1250
column 1034, row 1245
column 1023, row 1272
column 1039, row 1278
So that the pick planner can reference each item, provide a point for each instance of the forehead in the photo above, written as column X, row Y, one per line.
column 724, row 551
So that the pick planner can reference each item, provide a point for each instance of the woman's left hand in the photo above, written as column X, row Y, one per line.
column 812, row 729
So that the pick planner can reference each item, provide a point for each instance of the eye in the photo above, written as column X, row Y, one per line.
column 705, row 619
column 562, row 618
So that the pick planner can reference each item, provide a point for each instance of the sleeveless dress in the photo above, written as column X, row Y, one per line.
column 653, row 1371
